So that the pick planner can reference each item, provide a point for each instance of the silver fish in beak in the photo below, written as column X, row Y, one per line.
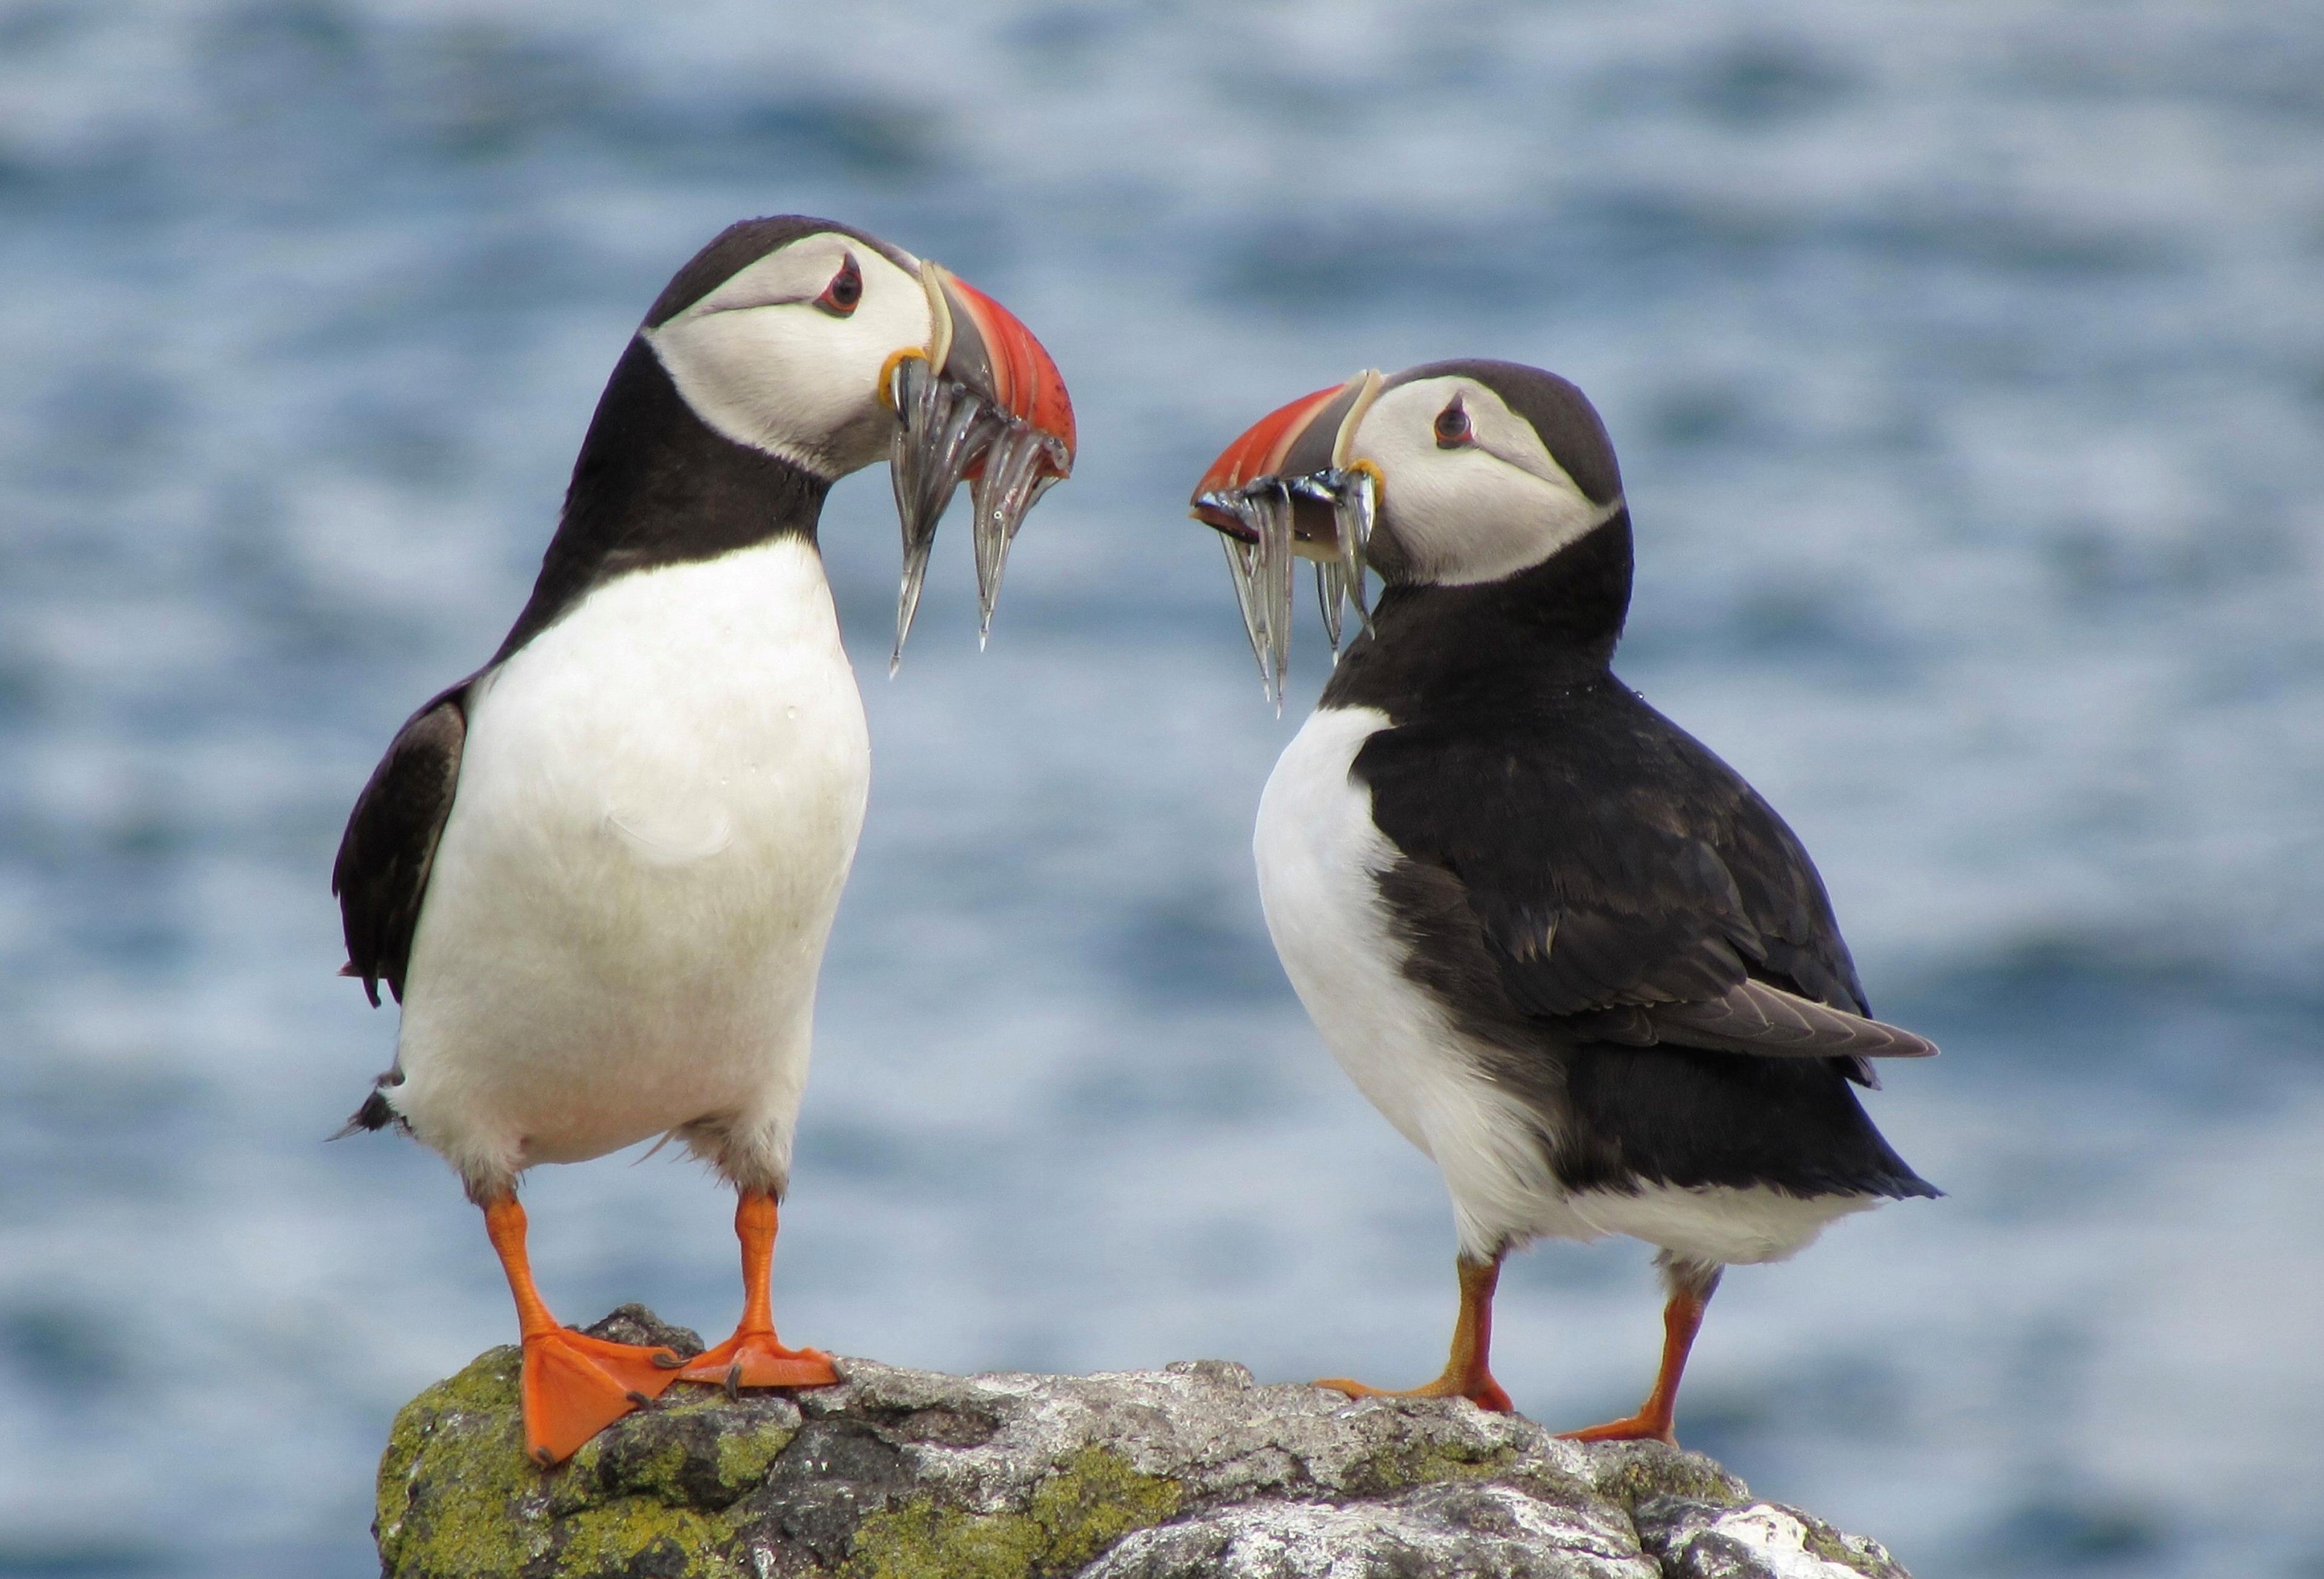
column 982, row 401
column 1285, row 491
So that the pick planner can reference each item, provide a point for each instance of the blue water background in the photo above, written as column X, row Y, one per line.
column 1967, row 366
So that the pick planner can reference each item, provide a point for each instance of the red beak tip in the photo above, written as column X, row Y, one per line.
column 1029, row 386
column 1260, row 448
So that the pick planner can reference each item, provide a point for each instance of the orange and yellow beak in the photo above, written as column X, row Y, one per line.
column 1286, row 490
column 983, row 401
column 984, row 347
column 1288, row 444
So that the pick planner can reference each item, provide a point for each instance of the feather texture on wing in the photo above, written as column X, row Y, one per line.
column 380, row 876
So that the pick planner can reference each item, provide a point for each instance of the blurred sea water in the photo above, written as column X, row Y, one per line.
column 1966, row 367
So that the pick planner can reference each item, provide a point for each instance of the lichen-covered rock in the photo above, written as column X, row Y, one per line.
column 1191, row 1471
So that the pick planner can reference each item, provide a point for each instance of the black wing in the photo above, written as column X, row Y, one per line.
column 380, row 876
column 1622, row 881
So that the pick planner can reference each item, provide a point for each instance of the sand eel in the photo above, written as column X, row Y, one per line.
column 599, row 872
column 1566, row 951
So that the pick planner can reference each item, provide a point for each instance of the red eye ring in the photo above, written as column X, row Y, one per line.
column 840, row 297
column 1452, row 429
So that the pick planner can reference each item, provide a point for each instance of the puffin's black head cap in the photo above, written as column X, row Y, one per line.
column 744, row 243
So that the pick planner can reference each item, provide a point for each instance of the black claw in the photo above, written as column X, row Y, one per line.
column 545, row 1459
column 734, row 1381
column 638, row 1399
column 667, row 1360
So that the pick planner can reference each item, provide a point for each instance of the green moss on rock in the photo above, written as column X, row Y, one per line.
column 1403, row 1466
column 693, row 1448
column 910, row 1475
column 636, row 1536
column 742, row 1459
column 923, row 1541
column 1635, row 1471
column 1095, row 1499
column 467, row 1515
column 458, row 1500
column 1092, row 1500
column 1854, row 1552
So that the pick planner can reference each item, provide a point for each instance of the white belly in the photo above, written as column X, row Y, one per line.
column 1319, row 856
column 659, row 800
column 1717, row 1224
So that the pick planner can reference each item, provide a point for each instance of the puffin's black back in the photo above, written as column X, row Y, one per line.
column 1567, row 854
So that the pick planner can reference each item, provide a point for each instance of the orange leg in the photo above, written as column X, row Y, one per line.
column 755, row 1356
column 575, row 1385
column 1681, row 1319
column 1466, row 1371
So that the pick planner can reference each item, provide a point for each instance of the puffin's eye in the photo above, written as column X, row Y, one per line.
column 846, row 289
column 1453, row 427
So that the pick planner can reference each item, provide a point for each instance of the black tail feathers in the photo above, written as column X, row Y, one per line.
column 374, row 1114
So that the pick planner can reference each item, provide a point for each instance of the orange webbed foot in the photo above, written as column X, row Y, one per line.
column 1481, row 1390
column 574, row 1386
column 760, row 1359
column 755, row 1356
column 1636, row 1429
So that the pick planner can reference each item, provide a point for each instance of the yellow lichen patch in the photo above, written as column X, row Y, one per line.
column 1644, row 1470
column 745, row 1457
column 468, row 1517
column 1095, row 1499
column 1848, row 1551
column 923, row 1541
column 607, row 1470
column 687, row 1450
column 1403, row 1466
column 611, row 1539
column 1091, row 1501
column 458, row 1500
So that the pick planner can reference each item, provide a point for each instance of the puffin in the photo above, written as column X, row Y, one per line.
column 598, row 874
column 1567, row 951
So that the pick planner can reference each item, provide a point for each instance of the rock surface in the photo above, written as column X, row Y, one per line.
column 1191, row 1471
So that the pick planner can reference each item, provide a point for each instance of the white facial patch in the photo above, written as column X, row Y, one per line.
column 1476, row 512
column 762, row 365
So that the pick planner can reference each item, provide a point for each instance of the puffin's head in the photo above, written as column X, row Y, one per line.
column 1452, row 474
column 831, row 349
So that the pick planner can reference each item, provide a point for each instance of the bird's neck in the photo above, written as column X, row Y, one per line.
column 655, row 485
column 1553, row 623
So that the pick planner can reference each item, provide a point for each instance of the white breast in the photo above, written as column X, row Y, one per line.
column 1319, row 857
column 658, row 801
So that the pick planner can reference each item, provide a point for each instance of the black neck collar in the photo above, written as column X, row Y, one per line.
column 1559, row 619
column 655, row 485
